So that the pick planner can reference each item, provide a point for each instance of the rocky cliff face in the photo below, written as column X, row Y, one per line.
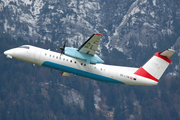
column 125, row 25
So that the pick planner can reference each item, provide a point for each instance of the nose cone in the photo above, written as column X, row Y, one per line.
column 6, row 52
column 9, row 52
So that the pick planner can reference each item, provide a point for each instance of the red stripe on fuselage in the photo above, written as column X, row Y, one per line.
column 142, row 72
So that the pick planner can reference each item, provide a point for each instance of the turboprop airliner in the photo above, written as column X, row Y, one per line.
column 84, row 62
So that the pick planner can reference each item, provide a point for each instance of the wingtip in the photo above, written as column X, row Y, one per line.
column 97, row 34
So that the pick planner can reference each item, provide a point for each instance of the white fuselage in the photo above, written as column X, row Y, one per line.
column 100, row 72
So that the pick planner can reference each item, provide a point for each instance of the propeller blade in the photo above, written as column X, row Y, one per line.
column 63, row 47
column 64, row 43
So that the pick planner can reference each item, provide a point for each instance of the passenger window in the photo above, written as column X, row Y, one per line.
column 53, row 56
column 70, row 60
column 84, row 64
column 81, row 63
column 45, row 54
column 75, row 62
column 67, row 60
column 56, row 57
column 49, row 55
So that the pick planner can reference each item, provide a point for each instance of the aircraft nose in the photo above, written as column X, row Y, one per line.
column 9, row 52
column 6, row 52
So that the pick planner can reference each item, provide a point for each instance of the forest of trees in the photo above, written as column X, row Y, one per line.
column 21, row 95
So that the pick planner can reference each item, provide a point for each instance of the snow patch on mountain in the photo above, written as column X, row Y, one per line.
column 38, row 5
column 172, row 74
column 73, row 97
column 1, row 7
column 97, row 99
column 6, row 25
column 51, row 7
column 86, row 7
column 119, row 48
column 154, row 2
column 6, row 2
column 27, row 19
column 132, row 10
column 27, row 2
column 76, row 40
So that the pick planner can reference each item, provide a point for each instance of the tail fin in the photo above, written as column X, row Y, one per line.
column 155, row 66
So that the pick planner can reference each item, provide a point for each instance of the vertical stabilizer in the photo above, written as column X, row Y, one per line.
column 156, row 66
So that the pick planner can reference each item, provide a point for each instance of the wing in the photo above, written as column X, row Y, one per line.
column 91, row 45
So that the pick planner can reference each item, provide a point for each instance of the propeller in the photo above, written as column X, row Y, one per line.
column 63, row 47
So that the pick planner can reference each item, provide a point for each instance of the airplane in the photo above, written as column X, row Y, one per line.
column 84, row 62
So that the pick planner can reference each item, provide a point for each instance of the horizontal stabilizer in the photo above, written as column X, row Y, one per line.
column 168, row 53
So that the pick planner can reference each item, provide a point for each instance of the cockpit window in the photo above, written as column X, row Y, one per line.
column 24, row 46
